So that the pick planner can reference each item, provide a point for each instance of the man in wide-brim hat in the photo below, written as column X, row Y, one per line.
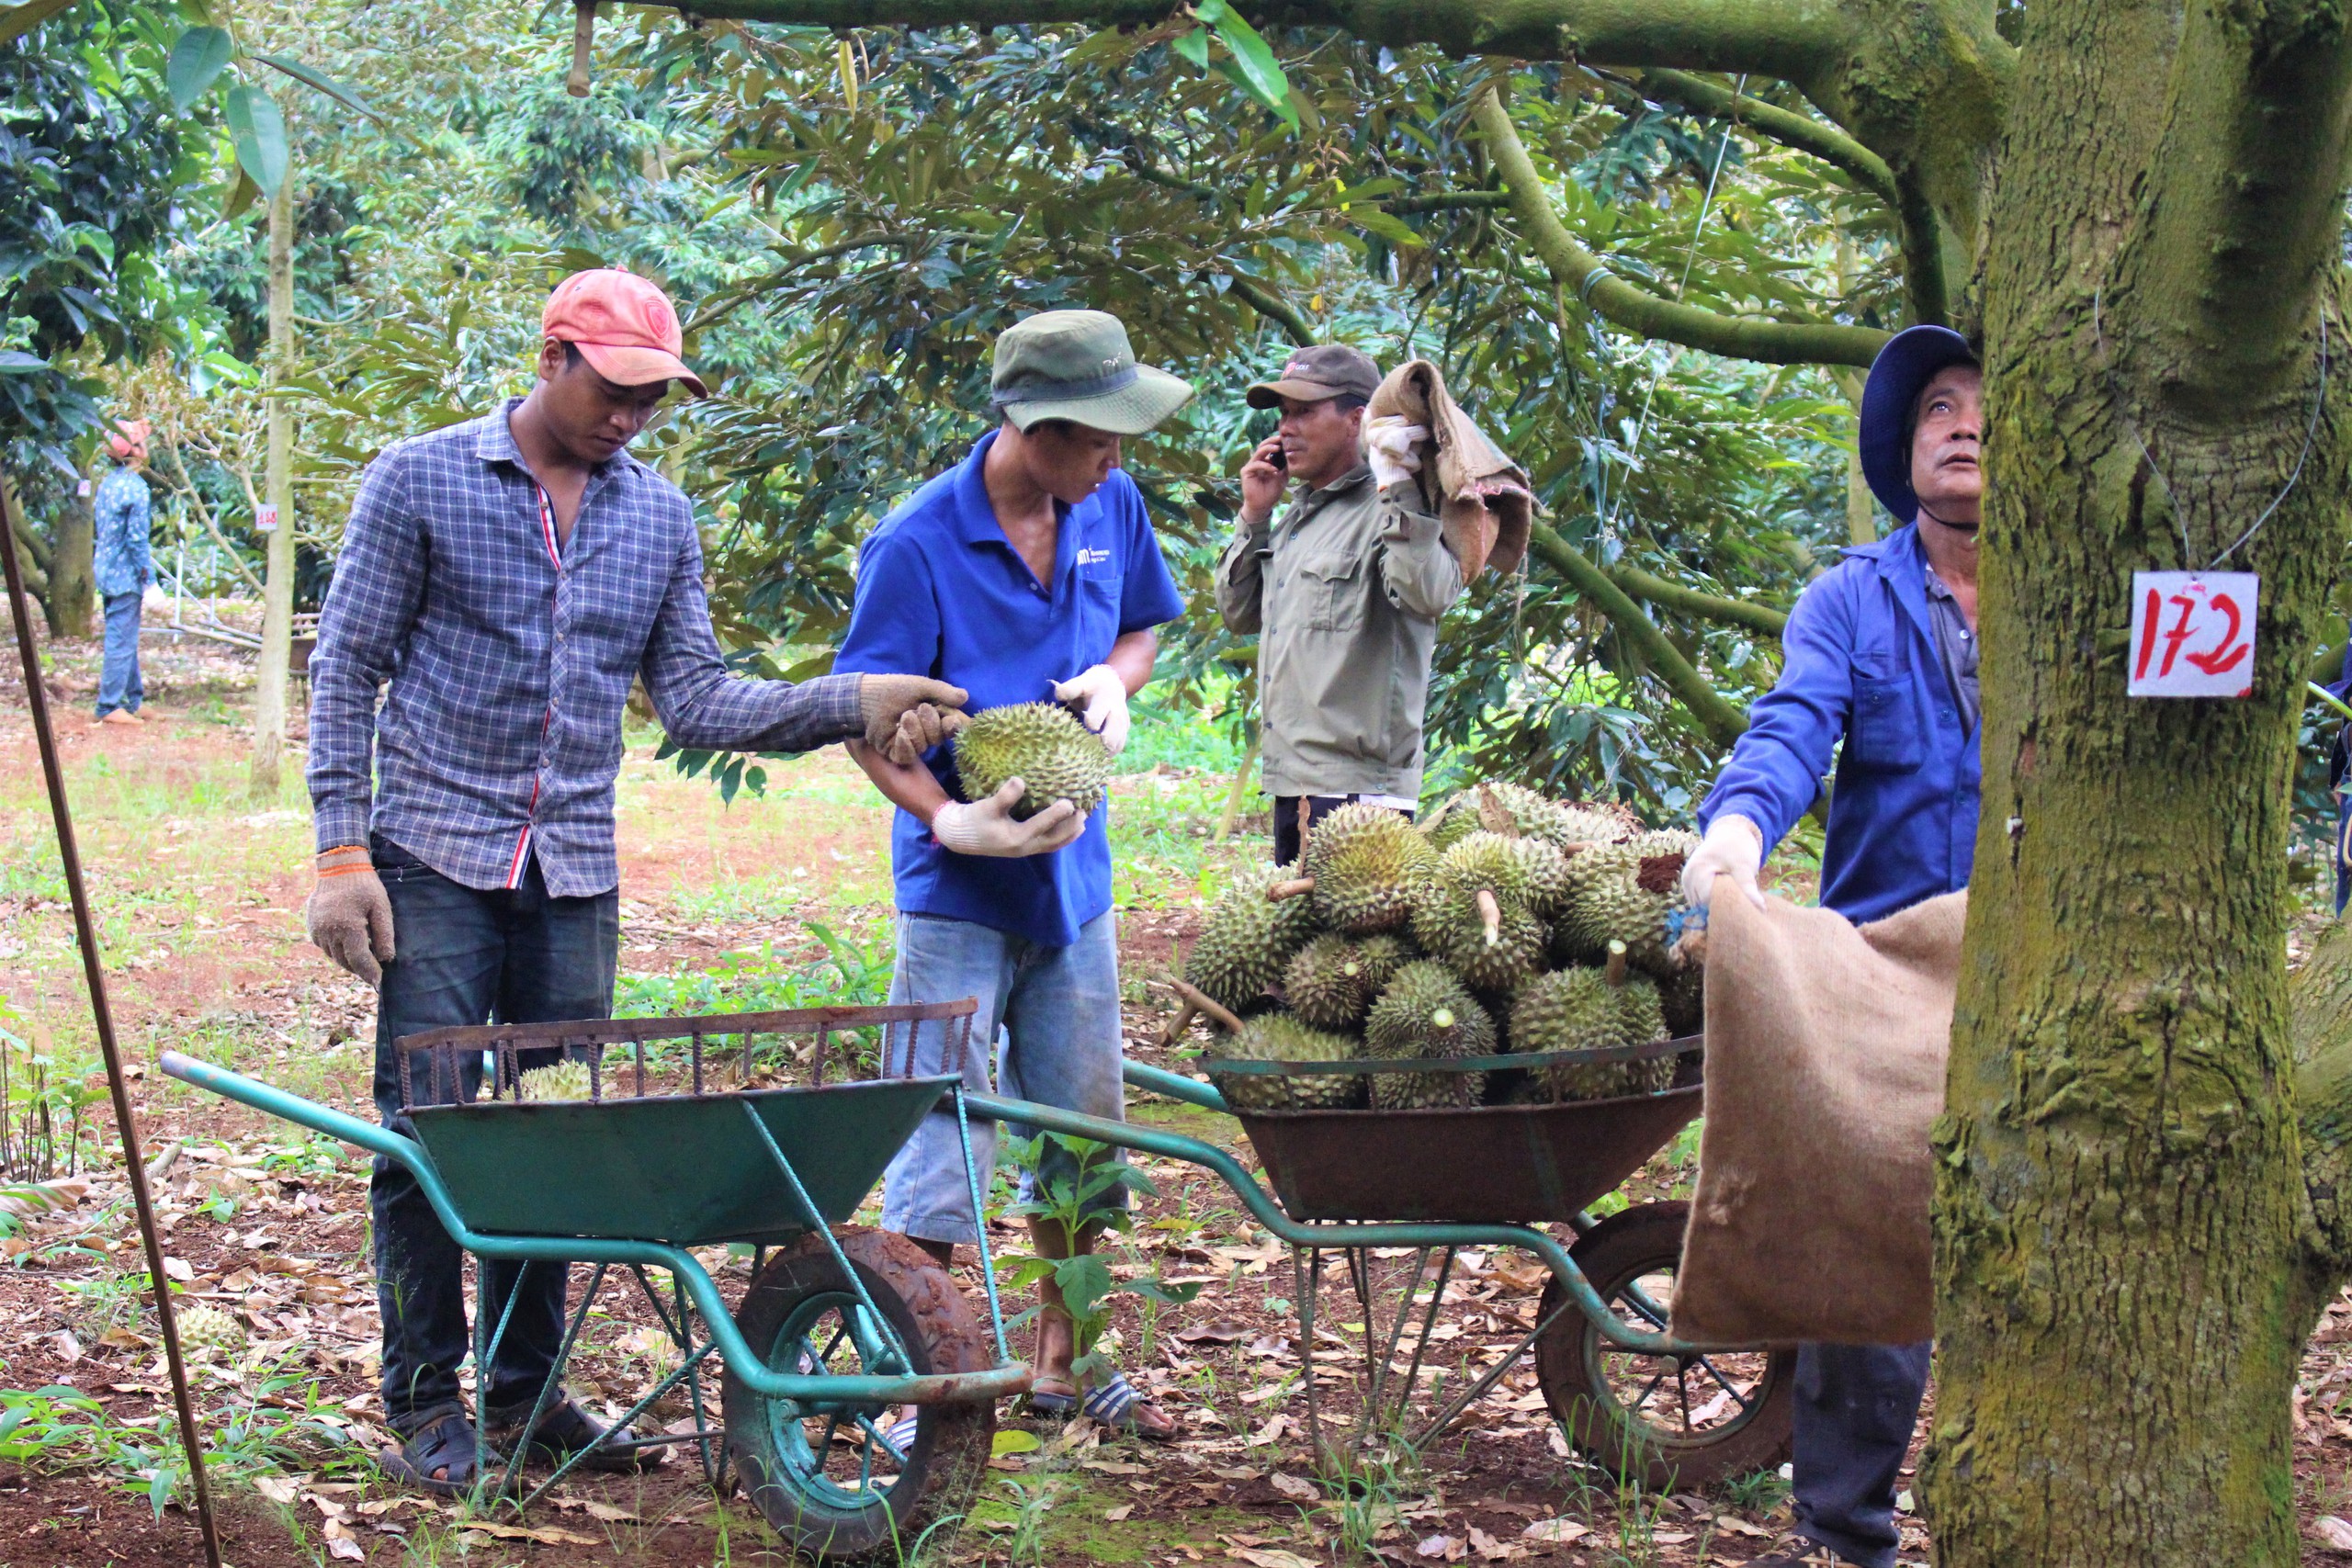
column 1029, row 572
column 1881, row 655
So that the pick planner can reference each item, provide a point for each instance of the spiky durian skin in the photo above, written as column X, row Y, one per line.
column 1452, row 822
column 1278, row 1037
column 1627, row 892
column 1580, row 824
column 1381, row 954
column 1249, row 938
column 1044, row 746
column 1683, row 995
column 1327, row 984
column 1425, row 1011
column 1366, row 862
column 1449, row 927
column 1577, row 1009
column 1522, row 810
column 566, row 1079
column 206, row 1327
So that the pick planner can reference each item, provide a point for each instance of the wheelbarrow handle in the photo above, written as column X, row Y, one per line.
column 1172, row 1085
column 293, row 1108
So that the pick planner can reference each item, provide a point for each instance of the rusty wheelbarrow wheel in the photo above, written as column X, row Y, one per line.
column 832, row 1478
column 1670, row 1423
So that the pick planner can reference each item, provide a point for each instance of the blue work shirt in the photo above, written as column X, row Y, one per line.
column 1860, row 665
column 119, row 563
column 941, row 591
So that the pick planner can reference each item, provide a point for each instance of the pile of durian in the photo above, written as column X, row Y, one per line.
column 1503, row 923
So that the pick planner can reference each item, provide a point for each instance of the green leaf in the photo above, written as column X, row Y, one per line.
column 1012, row 1441
column 1210, row 12
column 16, row 362
column 1389, row 226
column 243, row 193
column 18, row 20
column 1083, row 1281
column 260, row 134
column 1261, row 72
column 1193, row 46
column 324, row 83
column 198, row 56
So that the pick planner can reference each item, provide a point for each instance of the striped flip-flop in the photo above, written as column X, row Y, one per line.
column 1113, row 1403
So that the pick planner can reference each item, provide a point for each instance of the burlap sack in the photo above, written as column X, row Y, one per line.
column 1480, row 496
column 1825, row 1048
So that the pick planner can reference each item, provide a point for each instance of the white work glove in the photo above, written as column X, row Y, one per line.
column 155, row 599
column 987, row 827
column 1734, row 847
column 1389, row 446
column 1102, row 698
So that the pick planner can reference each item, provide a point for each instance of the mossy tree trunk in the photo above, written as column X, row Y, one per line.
column 2139, row 209
column 2125, row 1268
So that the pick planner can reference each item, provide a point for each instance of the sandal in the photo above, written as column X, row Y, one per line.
column 566, row 1430
column 1111, row 1405
column 444, row 1442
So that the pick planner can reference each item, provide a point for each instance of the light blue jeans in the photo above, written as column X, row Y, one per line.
column 118, row 682
column 1053, row 1016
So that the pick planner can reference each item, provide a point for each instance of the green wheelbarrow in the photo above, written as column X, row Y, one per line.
column 839, row 1324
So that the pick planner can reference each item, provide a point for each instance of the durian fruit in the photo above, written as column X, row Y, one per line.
column 1502, row 806
column 1683, row 994
column 1425, row 1011
column 1249, row 938
column 1592, row 825
column 1381, row 954
column 1578, row 1009
column 206, row 1327
column 1044, row 746
column 1626, row 892
column 1366, row 863
column 567, row 1080
column 1327, row 984
column 1455, row 820
column 1473, row 915
column 1278, row 1037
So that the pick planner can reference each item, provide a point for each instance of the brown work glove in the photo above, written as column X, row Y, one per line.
column 350, row 918
column 908, row 715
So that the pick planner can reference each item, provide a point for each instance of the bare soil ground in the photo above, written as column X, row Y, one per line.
column 199, row 890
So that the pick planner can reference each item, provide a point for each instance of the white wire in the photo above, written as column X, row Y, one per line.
column 1642, row 423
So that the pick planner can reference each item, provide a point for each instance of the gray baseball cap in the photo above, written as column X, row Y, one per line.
column 1319, row 373
column 1077, row 365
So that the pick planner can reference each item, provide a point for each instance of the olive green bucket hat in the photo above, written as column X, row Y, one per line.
column 1077, row 365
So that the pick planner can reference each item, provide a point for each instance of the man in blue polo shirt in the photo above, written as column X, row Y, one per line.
column 1029, row 572
column 1880, row 666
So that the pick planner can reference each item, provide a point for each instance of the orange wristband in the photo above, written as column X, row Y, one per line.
column 345, row 871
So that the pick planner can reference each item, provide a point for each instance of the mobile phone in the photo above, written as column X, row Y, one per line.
column 1280, row 459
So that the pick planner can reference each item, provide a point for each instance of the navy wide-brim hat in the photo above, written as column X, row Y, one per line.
column 1899, row 374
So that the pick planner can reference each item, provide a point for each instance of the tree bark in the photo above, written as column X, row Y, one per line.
column 2124, row 1268
column 278, row 595
column 72, row 569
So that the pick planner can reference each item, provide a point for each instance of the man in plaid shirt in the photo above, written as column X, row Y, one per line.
column 508, row 576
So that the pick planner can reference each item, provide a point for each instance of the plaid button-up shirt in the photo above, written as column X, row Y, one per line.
column 510, row 656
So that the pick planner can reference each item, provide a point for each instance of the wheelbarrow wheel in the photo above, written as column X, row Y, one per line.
column 1669, row 1423
column 831, row 1480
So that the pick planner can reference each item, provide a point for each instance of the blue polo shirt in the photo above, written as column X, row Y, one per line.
column 941, row 591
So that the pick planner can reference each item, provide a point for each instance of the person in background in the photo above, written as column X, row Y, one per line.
column 1880, row 674
column 502, row 581
column 1029, row 572
column 1344, row 589
column 123, row 570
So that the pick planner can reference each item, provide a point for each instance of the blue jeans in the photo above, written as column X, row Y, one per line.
column 1056, row 1012
column 1855, row 1407
column 118, row 682
column 464, row 956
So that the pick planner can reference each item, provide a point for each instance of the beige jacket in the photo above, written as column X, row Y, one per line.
column 1345, row 590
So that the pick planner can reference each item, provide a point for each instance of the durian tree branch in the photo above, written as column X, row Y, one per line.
column 1580, row 272
column 1722, row 722
column 1761, row 619
column 2318, row 996
column 1795, row 39
column 1273, row 307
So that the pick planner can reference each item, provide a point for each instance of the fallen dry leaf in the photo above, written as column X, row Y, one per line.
column 1271, row 1432
column 179, row 1269
column 2333, row 1531
column 1558, row 1532
column 609, row 1514
column 1440, row 1546
column 1215, row 1331
column 1114, row 1516
column 1293, row 1486
column 1491, row 1550
column 276, row 1488
column 1670, row 1538
column 1270, row 1559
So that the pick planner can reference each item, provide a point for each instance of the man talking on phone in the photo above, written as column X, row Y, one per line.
column 1345, row 590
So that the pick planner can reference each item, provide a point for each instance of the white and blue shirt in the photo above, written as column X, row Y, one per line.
column 941, row 591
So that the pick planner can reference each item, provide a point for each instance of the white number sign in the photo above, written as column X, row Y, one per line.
column 2192, row 633
column 265, row 519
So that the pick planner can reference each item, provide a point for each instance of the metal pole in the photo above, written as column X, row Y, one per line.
column 87, row 931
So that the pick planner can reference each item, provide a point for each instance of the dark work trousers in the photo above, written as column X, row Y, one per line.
column 1856, row 1405
column 467, row 956
column 1288, row 833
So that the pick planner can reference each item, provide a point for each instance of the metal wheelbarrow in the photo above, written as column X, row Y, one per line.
column 838, row 1324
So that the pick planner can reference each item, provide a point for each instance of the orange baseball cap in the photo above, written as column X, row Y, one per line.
column 623, row 325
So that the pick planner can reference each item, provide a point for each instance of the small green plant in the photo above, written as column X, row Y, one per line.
column 43, row 1110
column 1759, row 1492
column 1084, row 1282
